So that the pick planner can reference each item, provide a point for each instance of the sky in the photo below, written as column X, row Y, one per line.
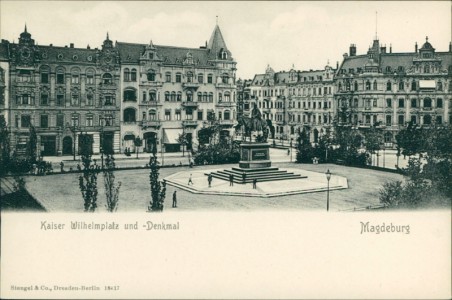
column 306, row 35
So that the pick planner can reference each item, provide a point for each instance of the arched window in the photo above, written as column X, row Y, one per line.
column 205, row 97
column 107, row 78
column 151, row 75
column 179, row 96
column 220, row 97
column 60, row 76
column 199, row 96
column 133, row 75
column 189, row 96
column 375, row 85
column 129, row 115
column 45, row 97
column 75, row 76
column 126, row 74
column 388, row 86
column 356, row 86
column 210, row 97
column 130, row 94
column 227, row 97
column 413, row 85
column 90, row 76
column 152, row 95
column 167, row 96
column 173, row 96
column 367, row 85
column 152, row 115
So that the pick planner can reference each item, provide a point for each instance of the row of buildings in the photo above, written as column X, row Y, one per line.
column 123, row 91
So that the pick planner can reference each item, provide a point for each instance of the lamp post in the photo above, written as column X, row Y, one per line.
column 328, row 177
column 74, row 130
column 291, row 141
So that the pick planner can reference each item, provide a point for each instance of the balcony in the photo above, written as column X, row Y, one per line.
column 427, row 108
column 226, row 104
column 190, row 104
column 151, row 124
column 224, row 85
column 226, row 122
column 190, row 85
column 190, row 123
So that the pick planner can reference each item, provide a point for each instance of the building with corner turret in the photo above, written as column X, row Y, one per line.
column 387, row 89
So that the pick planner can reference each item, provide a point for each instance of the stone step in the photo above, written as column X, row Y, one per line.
column 259, row 179
column 253, row 175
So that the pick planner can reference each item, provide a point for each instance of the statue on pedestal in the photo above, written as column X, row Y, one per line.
column 253, row 124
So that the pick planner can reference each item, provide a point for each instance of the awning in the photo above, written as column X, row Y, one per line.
column 129, row 137
column 427, row 84
column 170, row 136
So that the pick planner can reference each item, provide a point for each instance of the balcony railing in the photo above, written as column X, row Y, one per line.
column 190, row 104
column 153, row 123
column 190, row 123
column 190, row 85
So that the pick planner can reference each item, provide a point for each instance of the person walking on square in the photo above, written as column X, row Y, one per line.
column 254, row 183
column 174, row 199
column 62, row 167
column 190, row 180
column 231, row 180
column 243, row 177
column 209, row 179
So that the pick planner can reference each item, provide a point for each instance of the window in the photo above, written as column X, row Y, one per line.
column 126, row 74
column 413, row 103
column 413, row 119
column 129, row 115
column 152, row 95
column 367, row 85
column 439, row 120
column 220, row 115
column 355, row 86
column 44, row 99
column 367, row 104
column 130, row 95
column 178, row 115
column 89, row 120
column 60, row 120
column 45, row 76
column 178, row 77
column 339, row 88
column 143, row 116
column 401, row 120
column 173, row 96
column 75, row 120
column 227, row 97
column 90, row 98
column 107, row 78
column 227, row 115
column 439, row 103
column 189, row 96
column 401, row 103
column 133, row 75
column 108, row 100
column 179, row 96
column 199, row 96
column 60, row 76
column 151, row 75
column 167, row 115
column 189, row 115
column 190, row 77
column 388, row 102
column 210, row 97
column 388, row 86
column 440, row 86
column 200, row 113
column 144, row 96
column 152, row 115
column 167, row 77
column 220, row 97
column 225, row 78
column 90, row 77
column 427, row 120
column 210, row 78
column 74, row 99
column 413, row 85
column 401, row 86
column 388, row 120
column 347, row 86
column 44, row 121
column 25, row 121
column 375, row 103
column 60, row 100
column 375, row 85
column 427, row 102
column 106, row 120
column 167, row 96
column 25, row 76
column 75, row 79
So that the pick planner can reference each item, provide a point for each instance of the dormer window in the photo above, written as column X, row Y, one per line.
column 151, row 55
column 223, row 54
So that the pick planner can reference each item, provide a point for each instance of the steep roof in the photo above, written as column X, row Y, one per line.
column 216, row 42
column 131, row 53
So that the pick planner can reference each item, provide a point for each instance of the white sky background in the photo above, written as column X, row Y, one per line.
column 306, row 34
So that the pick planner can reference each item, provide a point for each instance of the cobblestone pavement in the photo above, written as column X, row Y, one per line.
column 61, row 192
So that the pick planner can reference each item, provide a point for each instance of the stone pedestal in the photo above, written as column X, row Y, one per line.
column 254, row 156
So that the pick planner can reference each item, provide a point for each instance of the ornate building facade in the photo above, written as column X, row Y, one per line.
column 296, row 100
column 63, row 92
column 115, row 94
column 170, row 91
column 389, row 90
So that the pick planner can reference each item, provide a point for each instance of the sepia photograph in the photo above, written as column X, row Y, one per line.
column 225, row 149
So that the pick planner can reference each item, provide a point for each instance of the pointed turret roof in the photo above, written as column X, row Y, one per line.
column 216, row 41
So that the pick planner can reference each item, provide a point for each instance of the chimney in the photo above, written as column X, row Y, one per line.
column 337, row 65
column 390, row 48
column 88, row 47
column 71, row 45
column 345, row 55
column 352, row 50
column 383, row 49
column 51, row 45
column 415, row 47
column 450, row 46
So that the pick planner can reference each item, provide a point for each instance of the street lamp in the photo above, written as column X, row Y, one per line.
column 328, row 177
column 291, row 140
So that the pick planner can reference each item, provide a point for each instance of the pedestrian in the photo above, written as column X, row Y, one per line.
column 254, row 183
column 174, row 199
column 78, row 167
column 288, row 151
column 243, row 177
column 62, row 167
column 191, row 162
column 209, row 179
column 190, row 180
column 231, row 179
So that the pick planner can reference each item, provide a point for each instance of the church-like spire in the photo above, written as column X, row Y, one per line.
column 216, row 42
column 25, row 30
